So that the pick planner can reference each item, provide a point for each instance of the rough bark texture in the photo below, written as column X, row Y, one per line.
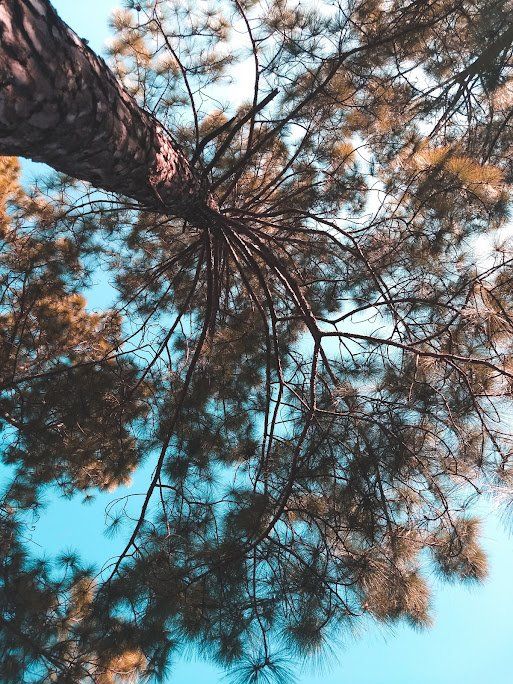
column 60, row 104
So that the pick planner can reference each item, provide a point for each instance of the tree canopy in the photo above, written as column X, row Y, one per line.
column 314, row 354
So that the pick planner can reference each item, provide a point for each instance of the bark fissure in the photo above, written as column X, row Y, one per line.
column 61, row 104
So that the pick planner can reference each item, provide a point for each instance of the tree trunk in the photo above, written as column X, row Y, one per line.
column 60, row 104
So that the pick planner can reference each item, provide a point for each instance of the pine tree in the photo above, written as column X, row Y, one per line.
column 305, row 342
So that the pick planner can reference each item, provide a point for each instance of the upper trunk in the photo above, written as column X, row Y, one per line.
column 60, row 104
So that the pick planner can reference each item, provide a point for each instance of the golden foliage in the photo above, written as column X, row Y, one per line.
column 124, row 668
column 485, row 180
column 391, row 594
column 9, row 188
column 458, row 553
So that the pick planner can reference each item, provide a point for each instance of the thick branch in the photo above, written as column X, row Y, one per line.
column 60, row 104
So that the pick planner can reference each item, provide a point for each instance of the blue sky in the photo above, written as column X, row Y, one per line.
column 472, row 633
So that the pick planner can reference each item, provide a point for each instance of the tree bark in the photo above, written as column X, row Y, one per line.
column 60, row 104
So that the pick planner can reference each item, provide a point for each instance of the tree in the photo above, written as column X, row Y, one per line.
column 63, row 104
column 305, row 344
